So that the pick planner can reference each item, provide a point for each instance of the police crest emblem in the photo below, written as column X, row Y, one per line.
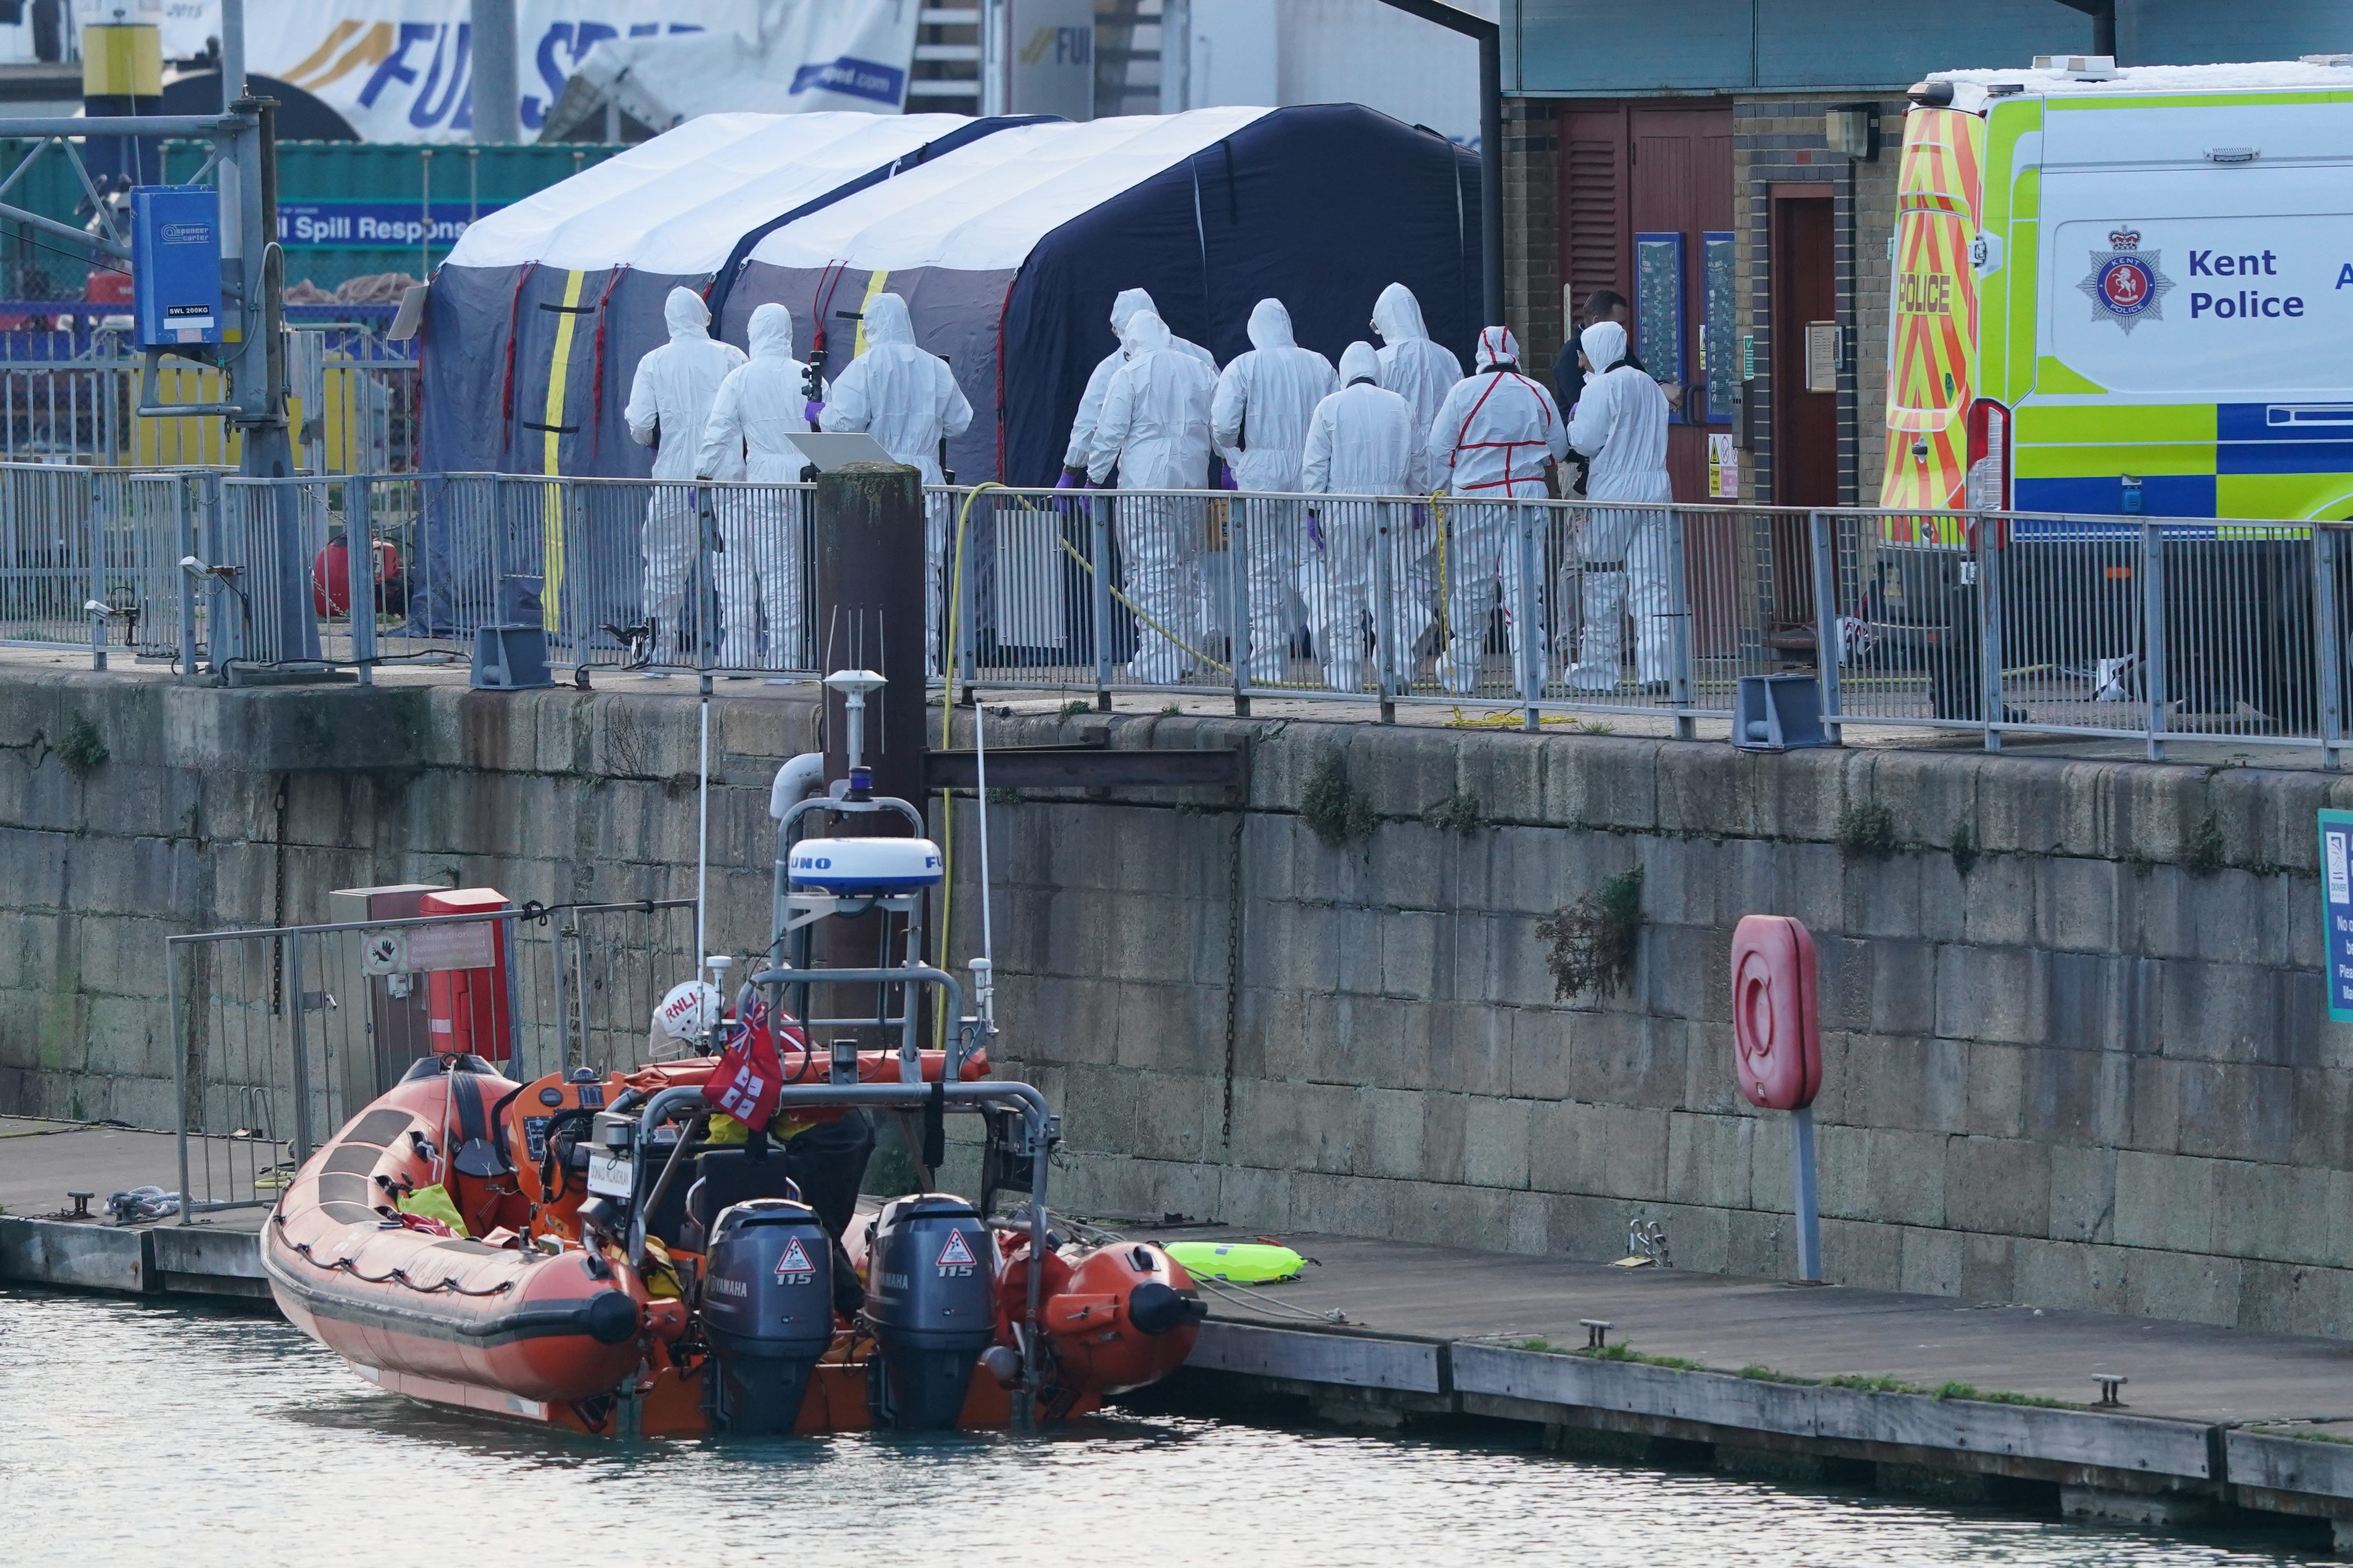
column 2124, row 285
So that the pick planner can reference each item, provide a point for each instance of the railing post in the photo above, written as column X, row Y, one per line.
column 1385, row 606
column 93, row 516
column 1987, row 540
column 179, row 1071
column 189, row 490
column 2152, row 610
column 1238, row 618
column 961, row 553
column 1100, row 594
column 1679, row 665
column 293, row 1000
column 2328, row 644
column 577, row 624
column 359, row 559
column 1527, row 638
column 1821, row 529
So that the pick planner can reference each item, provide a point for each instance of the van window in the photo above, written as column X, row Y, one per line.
column 1935, row 320
column 2202, row 281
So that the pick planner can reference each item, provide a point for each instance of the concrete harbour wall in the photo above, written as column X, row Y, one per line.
column 2077, row 1053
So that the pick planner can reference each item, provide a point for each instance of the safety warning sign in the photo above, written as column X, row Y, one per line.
column 795, row 1260
column 956, row 1255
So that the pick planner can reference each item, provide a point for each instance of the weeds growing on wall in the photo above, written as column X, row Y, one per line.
column 81, row 747
column 1458, row 813
column 1866, row 827
column 2202, row 854
column 1337, row 811
column 1592, row 940
column 1964, row 848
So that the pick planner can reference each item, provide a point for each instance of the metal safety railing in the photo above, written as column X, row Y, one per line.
column 353, row 417
column 279, row 1035
column 1995, row 622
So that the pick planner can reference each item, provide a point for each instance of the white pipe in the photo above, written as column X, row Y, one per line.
column 232, row 51
column 702, row 845
column 980, row 769
column 796, row 779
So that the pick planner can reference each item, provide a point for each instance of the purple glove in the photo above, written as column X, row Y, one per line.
column 1226, row 477
column 1316, row 530
column 1071, row 479
column 810, row 410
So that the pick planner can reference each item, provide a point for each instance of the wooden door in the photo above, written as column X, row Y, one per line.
column 1804, row 294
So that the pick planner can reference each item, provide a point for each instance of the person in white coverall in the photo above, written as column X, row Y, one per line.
column 1155, row 429
column 669, row 403
column 1264, row 400
column 1496, row 439
column 1422, row 372
column 1620, row 424
column 1363, row 440
column 1083, row 428
column 908, row 401
column 760, row 565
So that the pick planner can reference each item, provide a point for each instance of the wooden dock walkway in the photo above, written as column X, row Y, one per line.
column 1821, row 1381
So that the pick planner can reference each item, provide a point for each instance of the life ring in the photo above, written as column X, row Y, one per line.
column 1776, row 1027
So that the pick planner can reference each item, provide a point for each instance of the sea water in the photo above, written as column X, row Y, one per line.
column 134, row 1434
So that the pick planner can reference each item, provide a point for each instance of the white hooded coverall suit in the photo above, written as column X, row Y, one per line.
column 1264, row 400
column 1422, row 372
column 669, row 403
column 1124, row 310
column 1621, row 424
column 1363, row 440
column 1491, row 443
column 1155, row 429
column 762, row 550
column 908, row 401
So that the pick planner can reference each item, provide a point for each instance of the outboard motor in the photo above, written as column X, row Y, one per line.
column 767, row 1308
column 931, row 1299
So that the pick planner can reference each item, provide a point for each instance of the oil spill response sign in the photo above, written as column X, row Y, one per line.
column 2336, row 910
column 414, row 950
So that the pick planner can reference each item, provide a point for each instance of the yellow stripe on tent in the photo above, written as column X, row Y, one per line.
column 874, row 283
column 559, row 371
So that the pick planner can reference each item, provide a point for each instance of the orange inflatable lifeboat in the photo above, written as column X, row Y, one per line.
column 469, row 1240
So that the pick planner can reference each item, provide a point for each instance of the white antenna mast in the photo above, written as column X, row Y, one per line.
column 983, row 968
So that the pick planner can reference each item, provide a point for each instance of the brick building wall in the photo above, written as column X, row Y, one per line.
column 1780, row 141
column 1532, row 299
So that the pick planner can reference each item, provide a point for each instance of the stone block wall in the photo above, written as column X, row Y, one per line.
column 224, row 809
column 2076, row 1057
column 2063, row 1067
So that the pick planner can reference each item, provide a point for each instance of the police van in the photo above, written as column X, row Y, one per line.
column 2121, row 293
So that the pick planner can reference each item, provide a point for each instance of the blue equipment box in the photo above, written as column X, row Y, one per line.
column 175, row 261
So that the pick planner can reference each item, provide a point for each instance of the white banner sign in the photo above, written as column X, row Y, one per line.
column 809, row 55
column 1053, row 58
column 401, row 70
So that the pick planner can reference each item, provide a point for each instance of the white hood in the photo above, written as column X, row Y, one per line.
column 887, row 322
column 1270, row 326
column 687, row 317
column 1359, row 363
column 1396, row 316
column 1497, row 346
column 1604, row 343
column 770, row 332
column 1125, row 307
